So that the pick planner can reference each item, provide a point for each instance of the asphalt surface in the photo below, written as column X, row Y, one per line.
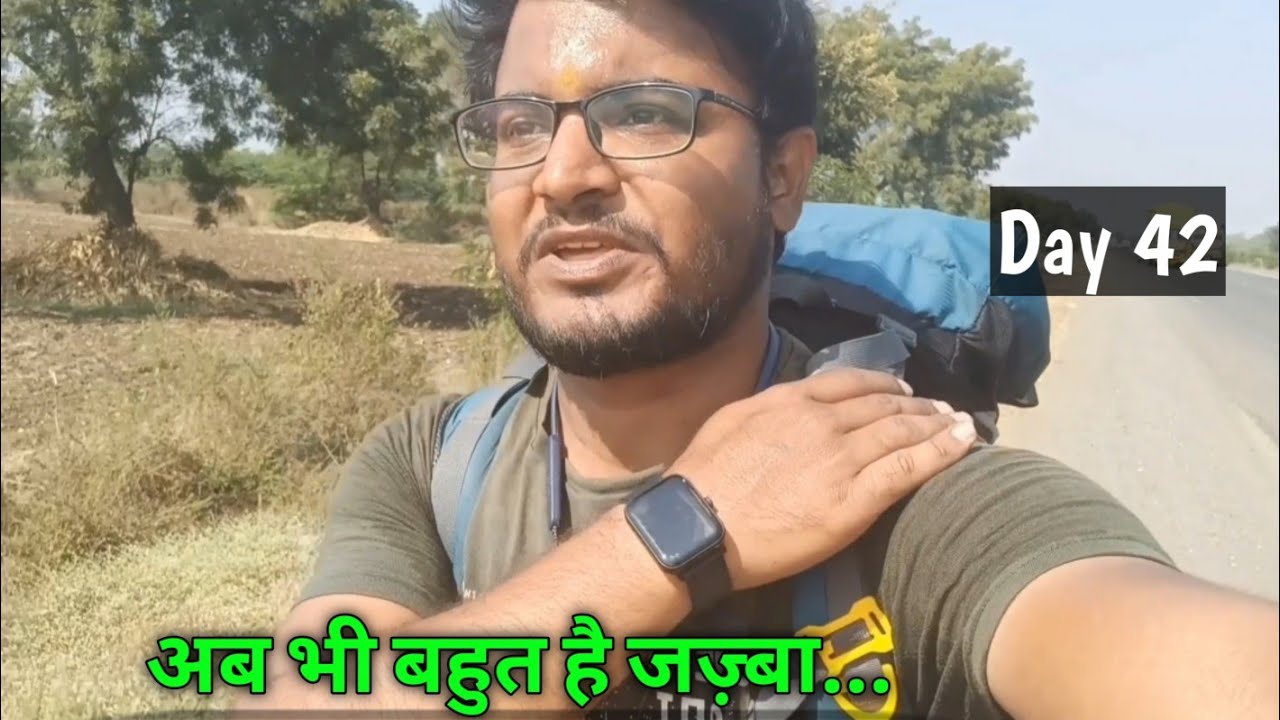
column 1171, row 404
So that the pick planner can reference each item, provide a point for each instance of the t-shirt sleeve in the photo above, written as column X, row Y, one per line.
column 381, row 539
column 966, row 544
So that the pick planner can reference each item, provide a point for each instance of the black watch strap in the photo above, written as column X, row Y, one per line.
column 708, row 582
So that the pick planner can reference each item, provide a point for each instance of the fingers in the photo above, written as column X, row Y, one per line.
column 893, row 476
column 860, row 412
column 840, row 384
column 888, row 435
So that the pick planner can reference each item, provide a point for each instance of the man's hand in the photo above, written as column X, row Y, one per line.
column 803, row 469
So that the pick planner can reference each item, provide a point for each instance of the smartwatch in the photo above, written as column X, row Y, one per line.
column 685, row 537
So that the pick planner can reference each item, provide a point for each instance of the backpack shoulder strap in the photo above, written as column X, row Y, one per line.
column 835, row 600
column 465, row 448
column 460, row 437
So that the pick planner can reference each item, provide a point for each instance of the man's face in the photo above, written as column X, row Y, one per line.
column 611, row 266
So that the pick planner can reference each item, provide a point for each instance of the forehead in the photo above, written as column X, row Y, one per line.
column 565, row 49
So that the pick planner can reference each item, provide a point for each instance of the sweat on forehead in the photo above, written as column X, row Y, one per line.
column 570, row 48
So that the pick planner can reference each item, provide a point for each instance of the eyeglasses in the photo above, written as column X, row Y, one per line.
column 629, row 122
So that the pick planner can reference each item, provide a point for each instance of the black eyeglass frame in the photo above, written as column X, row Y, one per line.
column 698, row 94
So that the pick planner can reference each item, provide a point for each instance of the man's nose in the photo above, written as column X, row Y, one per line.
column 574, row 172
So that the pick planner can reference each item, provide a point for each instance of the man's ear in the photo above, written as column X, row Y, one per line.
column 787, row 174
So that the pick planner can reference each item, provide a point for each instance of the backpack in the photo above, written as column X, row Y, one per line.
column 901, row 290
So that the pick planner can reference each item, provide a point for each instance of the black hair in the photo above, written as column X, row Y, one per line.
column 776, row 39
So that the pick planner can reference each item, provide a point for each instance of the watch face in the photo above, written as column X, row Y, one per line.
column 675, row 523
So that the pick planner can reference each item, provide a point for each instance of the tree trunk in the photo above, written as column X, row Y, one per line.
column 371, row 194
column 107, row 193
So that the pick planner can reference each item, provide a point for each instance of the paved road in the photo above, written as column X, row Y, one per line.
column 1171, row 404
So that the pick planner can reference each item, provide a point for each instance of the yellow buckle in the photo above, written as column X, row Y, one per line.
column 880, row 642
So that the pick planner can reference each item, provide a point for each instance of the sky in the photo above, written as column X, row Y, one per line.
column 1135, row 92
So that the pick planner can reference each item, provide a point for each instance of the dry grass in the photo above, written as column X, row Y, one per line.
column 496, row 339
column 249, row 253
column 171, row 198
column 495, row 344
column 216, row 430
column 185, row 498
column 112, row 267
column 76, row 642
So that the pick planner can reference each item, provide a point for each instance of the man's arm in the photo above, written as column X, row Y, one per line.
column 1126, row 638
column 604, row 570
column 850, row 438
column 1016, row 586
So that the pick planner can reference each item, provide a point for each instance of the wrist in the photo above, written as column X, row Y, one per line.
column 644, row 579
column 682, row 532
column 701, row 479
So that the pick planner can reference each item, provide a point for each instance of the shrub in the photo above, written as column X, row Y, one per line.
column 219, row 430
column 110, row 267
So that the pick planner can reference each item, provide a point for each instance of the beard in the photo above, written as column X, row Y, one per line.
column 699, row 301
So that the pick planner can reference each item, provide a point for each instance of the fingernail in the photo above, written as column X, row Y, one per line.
column 906, row 389
column 943, row 407
column 964, row 431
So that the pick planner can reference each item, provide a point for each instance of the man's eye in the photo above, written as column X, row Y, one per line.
column 645, row 115
column 522, row 129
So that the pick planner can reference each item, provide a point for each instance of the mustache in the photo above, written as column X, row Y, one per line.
column 615, row 224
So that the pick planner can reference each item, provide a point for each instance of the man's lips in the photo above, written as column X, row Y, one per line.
column 586, row 255
column 582, row 244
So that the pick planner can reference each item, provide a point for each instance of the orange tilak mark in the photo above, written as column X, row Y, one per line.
column 570, row 81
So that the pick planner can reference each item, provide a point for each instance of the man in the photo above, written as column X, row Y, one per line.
column 634, row 234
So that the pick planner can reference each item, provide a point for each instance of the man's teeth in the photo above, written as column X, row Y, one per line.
column 582, row 246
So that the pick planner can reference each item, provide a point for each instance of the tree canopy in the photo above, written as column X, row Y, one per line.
column 377, row 105
column 909, row 120
column 119, row 78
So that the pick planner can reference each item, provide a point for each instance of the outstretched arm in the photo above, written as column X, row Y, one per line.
column 1019, row 587
column 1126, row 638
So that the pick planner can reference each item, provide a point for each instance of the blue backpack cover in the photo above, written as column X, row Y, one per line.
column 919, row 278
column 847, row 270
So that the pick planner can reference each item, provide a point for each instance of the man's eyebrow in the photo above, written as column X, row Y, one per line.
column 589, row 90
column 521, row 94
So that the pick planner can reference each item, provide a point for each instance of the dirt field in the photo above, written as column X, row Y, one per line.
column 439, row 305
column 251, row 253
column 76, row 634
column 55, row 362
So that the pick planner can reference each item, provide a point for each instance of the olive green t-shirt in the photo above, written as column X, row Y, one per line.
column 946, row 562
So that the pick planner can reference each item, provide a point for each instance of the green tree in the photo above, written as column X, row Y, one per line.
column 841, row 181
column 856, row 87
column 17, row 126
column 376, row 108
column 955, row 116
column 856, row 91
column 118, row 77
column 908, row 120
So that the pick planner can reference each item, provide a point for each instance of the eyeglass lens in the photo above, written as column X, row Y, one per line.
column 628, row 123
